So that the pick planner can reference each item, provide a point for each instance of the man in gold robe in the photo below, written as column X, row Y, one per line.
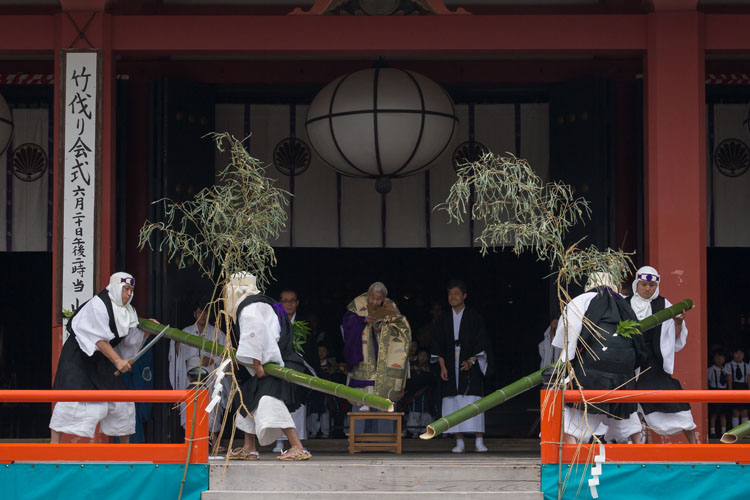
column 376, row 344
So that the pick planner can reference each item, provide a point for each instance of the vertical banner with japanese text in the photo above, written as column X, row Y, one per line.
column 79, row 176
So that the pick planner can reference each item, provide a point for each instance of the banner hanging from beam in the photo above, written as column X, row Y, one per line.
column 80, row 180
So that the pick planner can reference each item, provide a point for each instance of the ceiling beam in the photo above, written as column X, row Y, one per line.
column 302, row 35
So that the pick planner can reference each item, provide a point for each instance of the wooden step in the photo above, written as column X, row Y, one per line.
column 367, row 473
column 367, row 495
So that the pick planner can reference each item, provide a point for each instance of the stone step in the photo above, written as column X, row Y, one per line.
column 368, row 495
column 394, row 475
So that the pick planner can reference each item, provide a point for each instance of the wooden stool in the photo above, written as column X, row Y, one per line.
column 370, row 441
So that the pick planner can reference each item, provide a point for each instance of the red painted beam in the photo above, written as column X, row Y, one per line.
column 676, row 179
column 362, row 36
column 727, row 32
column 373, row 35
column 33, row 33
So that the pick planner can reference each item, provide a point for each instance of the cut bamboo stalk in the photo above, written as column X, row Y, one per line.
column 498, row 397
column 737, row 433
column 292, row 376
column 534, row 379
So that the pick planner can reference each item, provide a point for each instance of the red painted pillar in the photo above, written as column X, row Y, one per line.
column 96, row 32
column 676, row 179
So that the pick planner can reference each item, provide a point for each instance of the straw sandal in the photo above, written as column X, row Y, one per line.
column 294, row 455
column 243, row 454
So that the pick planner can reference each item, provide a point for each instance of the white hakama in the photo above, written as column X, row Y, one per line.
column 299, row 416
column 259, row 336
column 455, row 403
column 90, row 325
column 267, row 421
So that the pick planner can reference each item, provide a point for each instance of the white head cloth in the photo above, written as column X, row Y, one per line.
column 641, row 306
column 240, row 286
column 125, row 315
column 601, row 279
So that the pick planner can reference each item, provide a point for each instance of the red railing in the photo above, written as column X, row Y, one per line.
column 156, row 453
column 551, row 422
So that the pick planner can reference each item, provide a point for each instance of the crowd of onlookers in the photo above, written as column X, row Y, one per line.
column 727, row 370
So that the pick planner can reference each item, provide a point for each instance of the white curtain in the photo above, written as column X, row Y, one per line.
column 316, row 221
column 729, row 197
column 28, row 198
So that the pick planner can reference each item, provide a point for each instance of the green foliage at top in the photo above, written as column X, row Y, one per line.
column 228, row 227
column 518, row 209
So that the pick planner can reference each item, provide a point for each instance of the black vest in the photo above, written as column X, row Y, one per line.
column 104, row 295
column 652, row 336
column 78, row 371
column 611, row 353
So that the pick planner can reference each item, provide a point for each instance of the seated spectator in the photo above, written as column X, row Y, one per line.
column 418, row 400
column 717, row 380
column 737, row 379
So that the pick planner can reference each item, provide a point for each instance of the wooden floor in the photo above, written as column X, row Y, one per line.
column 426, row 469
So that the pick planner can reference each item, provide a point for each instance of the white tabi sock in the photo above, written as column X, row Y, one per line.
column 459, row 446
column 480, row 441
column 723, row 430
column 735, row 422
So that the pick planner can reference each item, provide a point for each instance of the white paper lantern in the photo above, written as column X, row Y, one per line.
column 6, row 125
column 381, row 123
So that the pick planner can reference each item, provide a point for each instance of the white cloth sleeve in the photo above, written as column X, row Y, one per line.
column 668, row 343
column 259, row 335
column 572, row 315
column 91, row 325
column 482, row 359
column 131, row 344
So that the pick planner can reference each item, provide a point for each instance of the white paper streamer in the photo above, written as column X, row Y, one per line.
column 214, row 402
column 596, row 471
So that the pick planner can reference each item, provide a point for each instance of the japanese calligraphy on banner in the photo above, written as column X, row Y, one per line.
column 79, row 177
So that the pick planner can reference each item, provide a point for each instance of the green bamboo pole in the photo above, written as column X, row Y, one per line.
column 292, row 376
column 628, row 328
column 734, row 435
column 498, row 397
column 532, row 380
column 665, row 314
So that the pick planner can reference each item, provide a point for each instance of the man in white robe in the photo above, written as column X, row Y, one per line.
column 181, row 354
column 613, row 366
column 267, row 399
column 662, row 342
column 460, row 346
column 104, row 336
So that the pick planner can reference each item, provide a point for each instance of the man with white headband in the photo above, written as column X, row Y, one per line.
column 103, row 336
column 608, row 362
column 265, row 337
column 661, row 342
